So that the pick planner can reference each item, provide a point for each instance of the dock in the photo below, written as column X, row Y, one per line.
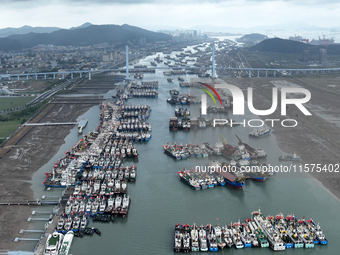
column 51, row 124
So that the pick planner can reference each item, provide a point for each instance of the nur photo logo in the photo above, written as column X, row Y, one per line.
column 239, row 103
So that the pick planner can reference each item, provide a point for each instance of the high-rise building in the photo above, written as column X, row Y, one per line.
column 142, row 41
column 305, row 56
column 322, row 56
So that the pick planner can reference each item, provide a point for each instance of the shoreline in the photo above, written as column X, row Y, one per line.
column 312, row 139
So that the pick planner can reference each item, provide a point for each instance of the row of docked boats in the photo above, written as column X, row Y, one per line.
column 288, row 232
column 134, row 137
column 200, row 180
column 185, row 99
column 139, row 114
column 179, row 124
column 184, row 84
column 144, row 85
column 129, row 125
column 277, row 232
column 101, row 150
column 149, row 93
column 181, row 112
column 216, row 173
column 174, row 72
column 180, row 151
column 143, row 107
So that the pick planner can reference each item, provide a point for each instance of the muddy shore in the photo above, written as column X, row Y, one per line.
column 21, row 157
column 316, row 138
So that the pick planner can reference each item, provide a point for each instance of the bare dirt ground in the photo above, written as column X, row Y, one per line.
column 316, row 139
column 98, row 84
column 31, row 85
column 24, row 155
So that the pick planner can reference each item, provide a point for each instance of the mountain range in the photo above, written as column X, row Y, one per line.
column 85, row 35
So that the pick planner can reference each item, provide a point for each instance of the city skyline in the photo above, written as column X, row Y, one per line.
column 157, row 15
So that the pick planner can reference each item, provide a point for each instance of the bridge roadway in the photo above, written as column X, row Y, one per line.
column 87, row 73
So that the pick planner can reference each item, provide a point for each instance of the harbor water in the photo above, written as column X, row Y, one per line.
column 159, row 200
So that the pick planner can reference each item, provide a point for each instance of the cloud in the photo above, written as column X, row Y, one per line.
column 159, row 2
column 175, row 13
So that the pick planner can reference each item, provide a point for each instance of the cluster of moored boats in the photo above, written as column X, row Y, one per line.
column 151, row 93
column 181, row 112
column 219, row 174
column 183, row 99
column 144, row 85
column 277, row 232
column 136, row 113
column 184, row 84
column 239, row 153
column 94, row 167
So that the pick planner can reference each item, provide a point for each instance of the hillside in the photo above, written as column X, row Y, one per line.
column 90, row 35
column 288, row 46
column 254, row 37
column 4, row 32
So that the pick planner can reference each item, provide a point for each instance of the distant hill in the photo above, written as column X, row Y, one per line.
column 289, row 46
column 90, row 35
column 254, row 37
column 4, row 32
column 281, row 45
column 87, row 24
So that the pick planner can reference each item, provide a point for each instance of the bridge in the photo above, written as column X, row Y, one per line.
column 213, row 67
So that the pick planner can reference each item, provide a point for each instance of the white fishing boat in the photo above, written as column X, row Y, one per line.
column 53, row 243
column 66, row 245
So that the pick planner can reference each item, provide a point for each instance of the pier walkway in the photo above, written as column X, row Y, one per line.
column 51, row 124
column 50, row 228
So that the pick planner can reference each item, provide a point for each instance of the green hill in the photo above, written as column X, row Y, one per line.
column 94, row 34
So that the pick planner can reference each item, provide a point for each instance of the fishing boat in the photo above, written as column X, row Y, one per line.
column 53, row 243
column 290, row 157
column 186, row 238
column 68, row 224
column 261, row 132
column 245, row 238
column 83, row 223
column 125, row 205
column 187, row 177
column 194, row 238
column 76, row 224
column 275, row 241
column 262, row 239
column 227, row 236
column 320, row 235
column 66, row 245
column 60, row 224
column 212, row 242
column 203, row 239
column 220, row 240
column 296, row 239
column 178, row 239
column 236, row 236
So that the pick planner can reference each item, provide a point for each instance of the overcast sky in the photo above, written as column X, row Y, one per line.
column 154, row 14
